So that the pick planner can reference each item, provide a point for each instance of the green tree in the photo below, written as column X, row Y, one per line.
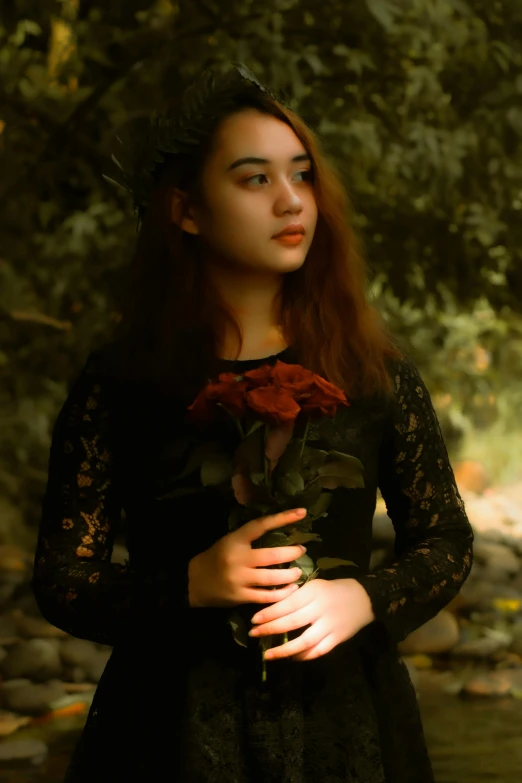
column 418, row 101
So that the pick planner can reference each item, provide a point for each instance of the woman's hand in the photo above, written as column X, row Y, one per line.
column 335, row 610
column 232, row 572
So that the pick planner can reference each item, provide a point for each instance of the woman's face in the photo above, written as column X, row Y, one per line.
column 247, row 202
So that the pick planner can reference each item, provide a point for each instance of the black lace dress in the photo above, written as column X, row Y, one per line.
column 179, row 699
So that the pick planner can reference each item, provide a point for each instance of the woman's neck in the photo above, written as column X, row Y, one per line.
column 256, row 345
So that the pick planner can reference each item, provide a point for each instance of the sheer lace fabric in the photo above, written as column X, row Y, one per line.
column 178, row 697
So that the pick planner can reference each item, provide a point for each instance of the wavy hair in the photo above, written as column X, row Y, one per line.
column 172, row 321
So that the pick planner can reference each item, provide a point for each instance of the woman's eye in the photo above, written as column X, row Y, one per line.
column 307, row 175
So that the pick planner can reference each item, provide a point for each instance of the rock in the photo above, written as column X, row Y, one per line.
column 32, row 750
column 516, row 646
column 95, row 668
column 8, row 627
column 38, row 659
column 480, row 648
column 489, row 684
column 412, row 671
column 480, row 595
column 471, row 476
column 505, row 659
column 438, row 635
column 494, row 683
column 510, row 511
column 74, row 674
column 33, row 698
column 516, row 582
column 7, row 588
column 10, row 722
column 7, row 687
column 12, row 558
column 11, row 580
column 456, row 604
column 27, row 603
column 79, row 687
column 77, row 652
column 516, row 627
column 420, row 661
column 493, row 512
column 497, row 577
column 35, row 627
column 496, row 558
column 15, row 683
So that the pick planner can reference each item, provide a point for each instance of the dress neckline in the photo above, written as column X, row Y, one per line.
column 271, row 359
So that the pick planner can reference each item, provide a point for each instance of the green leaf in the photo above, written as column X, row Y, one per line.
column 339, row 455
column 290, row 459
column 313, row 459
column 255, row 426
column 118, row 184
column 303, row 538
column 239, row 629
column 384, row 11
column 291, row 483
column 346, row 473
column 306, row 498
column 270, row 539
column 216, row 469
column 325, row 563
column 197, row 457
column 306, row 564
column 319, row 508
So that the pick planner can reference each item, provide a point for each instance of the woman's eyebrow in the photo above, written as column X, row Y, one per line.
column 242, row 161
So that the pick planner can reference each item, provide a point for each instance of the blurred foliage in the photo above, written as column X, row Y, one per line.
column 418, row 101
column 472, row 363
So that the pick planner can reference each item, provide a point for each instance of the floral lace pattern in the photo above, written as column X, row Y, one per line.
column 434, row 539
column 76, row 586
column 343, row 717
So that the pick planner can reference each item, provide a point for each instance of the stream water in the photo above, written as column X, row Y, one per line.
column 468, row 741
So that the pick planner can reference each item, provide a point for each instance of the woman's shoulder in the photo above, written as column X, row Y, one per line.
column 403, row 371
column 102, row 362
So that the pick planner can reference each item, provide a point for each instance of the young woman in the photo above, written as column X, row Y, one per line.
column 216, row 288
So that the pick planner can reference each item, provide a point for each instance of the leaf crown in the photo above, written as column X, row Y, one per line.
column 179, row 132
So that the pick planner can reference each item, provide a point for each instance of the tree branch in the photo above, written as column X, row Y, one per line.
column 147, row 48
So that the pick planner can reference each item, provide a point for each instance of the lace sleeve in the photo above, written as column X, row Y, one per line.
column 433, row 542
column 76, row 586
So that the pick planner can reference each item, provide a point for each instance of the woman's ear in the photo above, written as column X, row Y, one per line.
column 181, row 212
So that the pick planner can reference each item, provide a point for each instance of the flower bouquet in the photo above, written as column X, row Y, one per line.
column 274, row 468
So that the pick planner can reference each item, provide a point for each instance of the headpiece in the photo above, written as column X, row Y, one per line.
column 181, row 131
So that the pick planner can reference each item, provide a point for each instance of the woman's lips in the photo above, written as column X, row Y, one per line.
column 290, row 239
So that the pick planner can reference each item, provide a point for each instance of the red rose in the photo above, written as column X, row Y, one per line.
column 295, row 378
column 324, row 399
column 261, row 376
column 226, row 390
column 292, row 377
column 275, row 406
column 277, row 393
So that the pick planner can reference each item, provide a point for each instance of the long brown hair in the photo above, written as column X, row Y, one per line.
column 172, row 321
